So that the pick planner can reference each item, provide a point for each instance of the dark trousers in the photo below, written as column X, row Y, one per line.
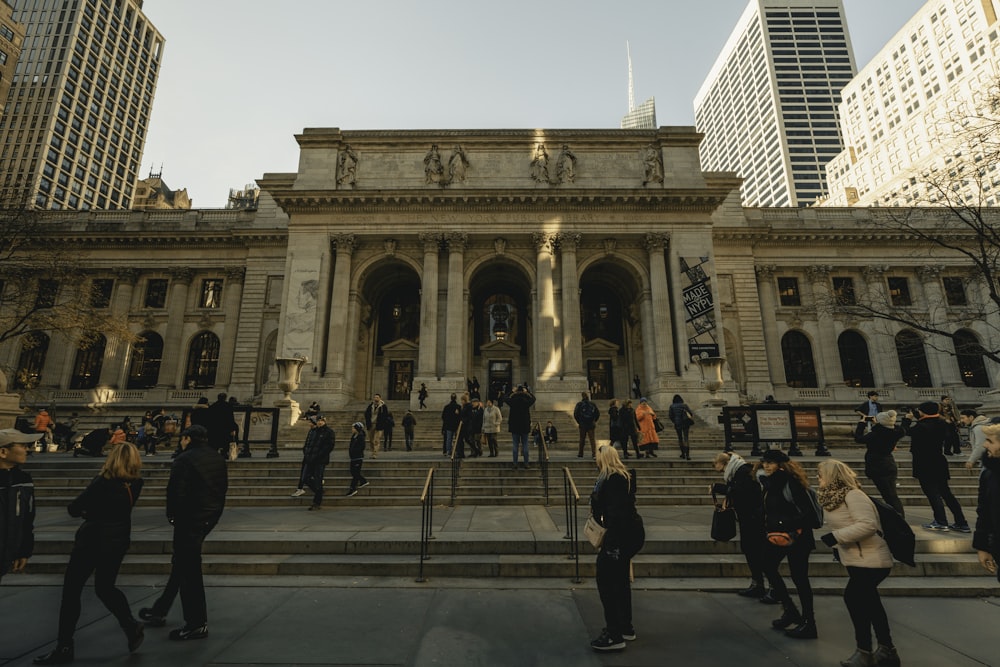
column 357, row 479
column 587, row 432
column 303, row 474
column 103, row 561
column 491, row 442
column 634, row 439
column 752, row 543
column 682, row 435
column 798, row 565
column 938, row 495
column 616, row 593
column 886, row 485
column 408, row 437
column 952, row 443
column 314, row 478
column 864, row 604
column 185, row 576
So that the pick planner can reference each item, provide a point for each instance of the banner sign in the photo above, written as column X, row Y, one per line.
column 699, row 307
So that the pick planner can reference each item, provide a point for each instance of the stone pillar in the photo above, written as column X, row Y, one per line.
column 457, row 313
column 427, row 354
column 885, row 359
column 827, row 350
column 656, row 244
column 768, row 306
column 545, row 358
column 943, row 365
column 231, row 297
column 114, row 370
column 648, row 338
column 321, row 340
column 341, row 339
column 174, row 354
column 571, row 329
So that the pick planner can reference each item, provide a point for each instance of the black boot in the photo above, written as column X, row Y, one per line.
column 62, row 654
column 804, row 630
column 754, row 590
column 134, row 634
column 791, row 616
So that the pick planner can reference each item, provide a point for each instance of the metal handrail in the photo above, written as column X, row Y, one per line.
column 456, row 465
column 426, row 522
column 572, row 500
column 543, row 464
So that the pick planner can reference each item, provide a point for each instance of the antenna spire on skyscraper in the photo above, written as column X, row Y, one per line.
column 631, row 86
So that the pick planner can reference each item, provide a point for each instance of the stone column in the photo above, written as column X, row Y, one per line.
column 231, row 297
column 114, row 370
column 663, row 323
column 174, row 354
column 885, row 359
column 339, row 340
column 943, row 365
column 427, row 354
column 457, row 313
column 321, row 339
column 545, row 366
column 827, row 349
column 572, row 335
column 648, row 338
column 768, row 306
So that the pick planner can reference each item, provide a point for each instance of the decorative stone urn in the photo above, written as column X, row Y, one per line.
column 711, row 372
column 289, row 374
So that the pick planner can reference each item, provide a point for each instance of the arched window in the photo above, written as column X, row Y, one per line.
column 912, row 360
column 796, row 351
column 969, row 354
column 203, row 360
column 854, row 360
column 87, row 367
column 147, row 355
column 34, row 347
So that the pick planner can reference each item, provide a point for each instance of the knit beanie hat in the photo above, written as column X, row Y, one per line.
column 886, row 419
column 929, row 409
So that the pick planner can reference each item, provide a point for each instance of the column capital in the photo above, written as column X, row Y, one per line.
column 544, row 242
column 431, row 241
column 875, row 271
column 457, row 241
column 127, row 275
column 182, row 275
column 819, row 273
column 347, row 243
column 928, row 273
column 656, row 242
column 569, row 241
column 765, row 272
column 236, row 272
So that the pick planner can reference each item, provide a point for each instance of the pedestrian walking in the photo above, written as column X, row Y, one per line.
column 680, row 416
column 99, row 547
column 17, row 501
column 744, row 494
column 649, row 438
column 377, row 418
column 519, row 422
column 586, row 415
column 880, row 465
column 409, row 426
column 492, row 418
column 451, row 417
column 422, row 396
column 930, row 467
column 630, row 428
column 316, row 452
column 356, row 453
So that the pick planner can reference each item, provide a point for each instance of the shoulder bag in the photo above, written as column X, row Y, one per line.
column 594, row 532
column 723, row 520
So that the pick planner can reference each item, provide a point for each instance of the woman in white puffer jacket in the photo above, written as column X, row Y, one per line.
column 856, row 534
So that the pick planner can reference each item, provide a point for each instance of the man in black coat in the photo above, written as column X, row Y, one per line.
column 221, row 425
column 17, row 501
column 316, row 456
column 930, row 466
column 451, row 417
column 196, row 497
column 519, row 421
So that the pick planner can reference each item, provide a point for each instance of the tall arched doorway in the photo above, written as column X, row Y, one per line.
column 609, row 327
column 500, row 331
column 390, row 326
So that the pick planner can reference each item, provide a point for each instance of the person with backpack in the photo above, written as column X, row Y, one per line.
column 855, row 533
column 586, row 415
column 789, row 519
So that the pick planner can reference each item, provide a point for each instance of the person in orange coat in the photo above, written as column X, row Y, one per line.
column 43, row 425
column 645, row 415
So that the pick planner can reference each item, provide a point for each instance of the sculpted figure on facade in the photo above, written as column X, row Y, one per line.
column 390, row 247
column 500, row 246
column 566, row 166
column 433, row 169
column 540, row 165
column 609, row 245
column 347, row 167
column 652, row 161
column 458, row 164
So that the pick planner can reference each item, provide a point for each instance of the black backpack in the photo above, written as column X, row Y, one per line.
column 896, row 533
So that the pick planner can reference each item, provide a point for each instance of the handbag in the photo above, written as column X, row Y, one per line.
column 688, row 420
column 657, row 424
column 234, row 451
column 594, row 532
column 723, row 521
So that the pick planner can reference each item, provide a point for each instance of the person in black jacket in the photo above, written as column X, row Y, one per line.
column 221, row 425
column 680, row 416
column 612, row 504
column 792, row 517
column 451, row 417
column 986, row 538
column 615, row 427
column 316, row 456
column 100, row 546
column 745, row 496
column 196, row 497
column 930, row 467
column 17, row 501
column 356, row 452
column 880, row 465
column 519, row 421
column 629, row 427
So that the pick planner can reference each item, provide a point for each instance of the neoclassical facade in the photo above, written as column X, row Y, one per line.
column 568, row 260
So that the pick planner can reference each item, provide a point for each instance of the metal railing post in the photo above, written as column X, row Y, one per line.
column 572, row 498
column 426, row 522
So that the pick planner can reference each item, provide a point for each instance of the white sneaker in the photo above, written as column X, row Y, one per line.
column 298, row 492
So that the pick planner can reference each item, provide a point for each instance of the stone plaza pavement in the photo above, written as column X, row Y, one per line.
column 373, row 620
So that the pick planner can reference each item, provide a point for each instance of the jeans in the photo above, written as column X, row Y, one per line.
column 937, row 490
column 585, row 433
column 798, row 566
column 520, row 441
column 864, row 604
column 449, row 438
column 615, row 591
column 314, row 478
column 103, row 561
column 682, row 435
column 408, row 437
column 357, row 479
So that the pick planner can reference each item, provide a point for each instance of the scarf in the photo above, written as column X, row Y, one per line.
column 735, row 461
column 832, row 495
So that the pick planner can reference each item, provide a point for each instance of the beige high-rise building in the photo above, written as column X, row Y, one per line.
column 79, row 104
column 903, row 114
column 11, row 39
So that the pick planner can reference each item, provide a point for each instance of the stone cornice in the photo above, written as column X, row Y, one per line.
column 334, row 137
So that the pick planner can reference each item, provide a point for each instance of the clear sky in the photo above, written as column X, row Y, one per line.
column 240, row 77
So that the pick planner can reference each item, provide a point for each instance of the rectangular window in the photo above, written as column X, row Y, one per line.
column 843, row 291
column 100, row 293
column 954, row 292
column 788, row 291
column 211, row 293
column 156, row 293
column 47, row 290
column 899, row 292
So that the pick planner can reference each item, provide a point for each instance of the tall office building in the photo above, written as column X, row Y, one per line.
column 642, row 117
column 768, row 107
column 11, row 39
column 79, row 104
column 903, row 114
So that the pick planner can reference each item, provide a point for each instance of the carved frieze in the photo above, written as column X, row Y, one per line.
column 347, row 167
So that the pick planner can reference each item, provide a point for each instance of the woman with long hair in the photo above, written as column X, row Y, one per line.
column 680, row 416
column 613, row 506
column 646, row 416
column 100, row 546
column 855, row 534
column 787, row 511
column 744, row 493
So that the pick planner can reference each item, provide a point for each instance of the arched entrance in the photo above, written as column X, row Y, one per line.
column 389, row 300
column 500, row 331
column 609, row 326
